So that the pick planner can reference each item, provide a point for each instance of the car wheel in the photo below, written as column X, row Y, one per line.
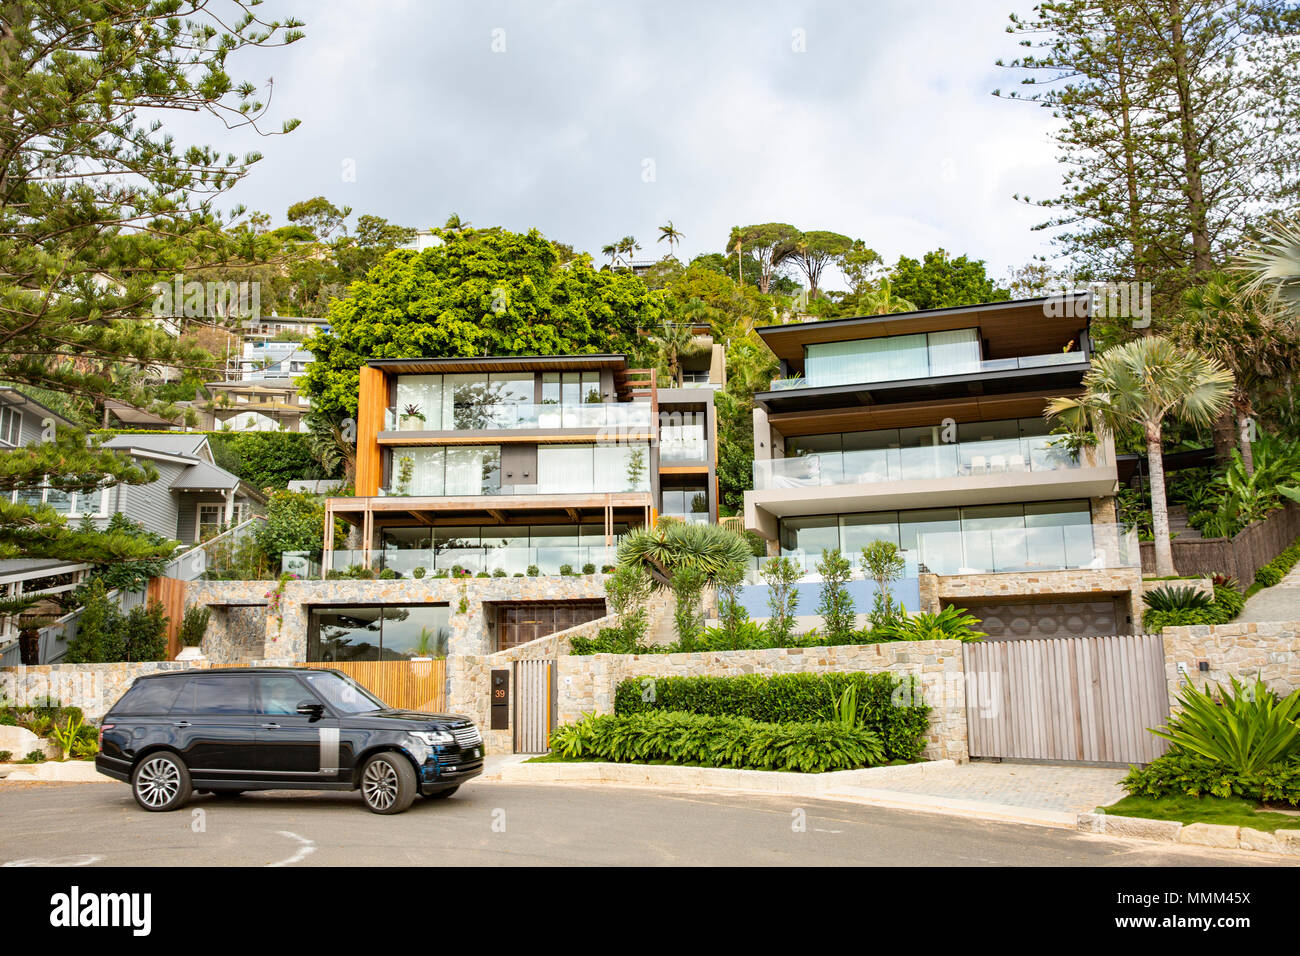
column 161, row 782
column 387, row 783
column 442, row 794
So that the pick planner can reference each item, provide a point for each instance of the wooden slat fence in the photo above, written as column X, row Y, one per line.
column 407, row 685
column 1086, row 699
column 1239, row 556
column 534, row 705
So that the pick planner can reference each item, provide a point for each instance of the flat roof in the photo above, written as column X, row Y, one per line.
column 1003, row 322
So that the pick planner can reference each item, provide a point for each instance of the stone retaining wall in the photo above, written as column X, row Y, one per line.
column 92, row 687
column 1270, row 651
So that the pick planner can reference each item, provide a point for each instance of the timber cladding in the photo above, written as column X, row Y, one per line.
column 372, row 402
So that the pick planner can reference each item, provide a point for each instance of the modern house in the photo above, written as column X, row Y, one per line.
column 193, row 497
column 926, row 429
column 512, row 463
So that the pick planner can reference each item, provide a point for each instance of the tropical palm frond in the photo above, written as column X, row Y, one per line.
column 1274, row 264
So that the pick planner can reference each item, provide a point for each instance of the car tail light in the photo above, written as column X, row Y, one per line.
column 102, row 728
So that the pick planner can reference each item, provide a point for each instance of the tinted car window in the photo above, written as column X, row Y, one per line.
column 281, row 694
column 344, row 695
column 148, row 697
column 216, row 695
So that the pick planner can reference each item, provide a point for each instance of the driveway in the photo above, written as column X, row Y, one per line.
column 1281, row 602
column 490, row 824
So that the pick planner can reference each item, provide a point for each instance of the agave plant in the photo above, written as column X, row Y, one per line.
column 708, row 548
column 1246, row 730
column 1176, row 599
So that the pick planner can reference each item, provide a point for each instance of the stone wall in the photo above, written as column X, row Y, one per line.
column 1270, row 651
column 587, row 684
column 284, row 619
column 938, row 591
column 92, row 687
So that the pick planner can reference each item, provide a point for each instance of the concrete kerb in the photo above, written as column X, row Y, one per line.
column 53, row 771
column 1213, row 835
column 705, row 778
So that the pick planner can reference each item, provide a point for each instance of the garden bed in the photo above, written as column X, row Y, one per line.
column 1229, row 811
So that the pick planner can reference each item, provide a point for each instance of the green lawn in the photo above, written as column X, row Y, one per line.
column 1231, row 811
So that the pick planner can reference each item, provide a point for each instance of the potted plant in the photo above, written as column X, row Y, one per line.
column 412, row 417
column 194, row 625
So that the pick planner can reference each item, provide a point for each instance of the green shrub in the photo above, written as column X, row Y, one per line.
column 791, row 698
column 1227, row 604
column 1273, row 572
column 610, row 640
column 781, row 574
column 836, row 607
column 418, row 573
column 1176, row 599
column 194, row 624
column 1180, row 773
column 388, row 574
column 566, row 570
column 950, row 624
column 1244, row 730
column 588, row 568
column 534, row 570
column 499, row 573
column 6, row 756
column 710, row 741
column 34, row 756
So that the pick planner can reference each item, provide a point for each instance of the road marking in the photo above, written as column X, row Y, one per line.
column 307, row 848
column 86, row 860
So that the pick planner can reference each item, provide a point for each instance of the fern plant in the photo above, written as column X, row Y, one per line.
column 1176, row 599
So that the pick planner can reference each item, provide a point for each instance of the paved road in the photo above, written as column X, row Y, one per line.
column 487, row 824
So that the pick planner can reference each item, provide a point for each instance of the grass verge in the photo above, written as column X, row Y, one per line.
column 1229, row 811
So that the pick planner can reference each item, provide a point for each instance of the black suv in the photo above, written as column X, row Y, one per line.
column 279, row 728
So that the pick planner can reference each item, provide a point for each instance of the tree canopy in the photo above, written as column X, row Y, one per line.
column 477, row 293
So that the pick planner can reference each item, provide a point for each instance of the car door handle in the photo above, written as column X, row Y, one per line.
column 270, row 726
column 180, row 723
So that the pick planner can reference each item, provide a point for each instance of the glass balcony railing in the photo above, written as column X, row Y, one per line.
column 571, row 486
column 443, row 562
column 998, row 551
column 512, row 416
column 687, row 449
column 955, row 460
column 987, row 365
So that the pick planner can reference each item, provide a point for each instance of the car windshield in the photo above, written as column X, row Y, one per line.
column 343, row 693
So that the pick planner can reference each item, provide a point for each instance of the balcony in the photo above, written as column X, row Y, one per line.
column 511, row 561
column 1029, row 468
column 680, row 450
column 1049, row 360
column 506, row 417
column 1003, row 551
column 954, row 460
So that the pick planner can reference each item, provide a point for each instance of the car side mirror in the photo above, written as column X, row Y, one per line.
column 311, row 708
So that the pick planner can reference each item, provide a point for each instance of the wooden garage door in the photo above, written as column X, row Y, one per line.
column 1033, row 620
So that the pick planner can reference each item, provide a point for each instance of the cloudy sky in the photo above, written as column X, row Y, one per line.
column 597, row 120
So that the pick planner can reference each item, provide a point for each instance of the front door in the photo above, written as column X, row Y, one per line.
column 290, row 745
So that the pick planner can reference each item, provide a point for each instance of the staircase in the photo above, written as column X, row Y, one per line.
column 1178, row 526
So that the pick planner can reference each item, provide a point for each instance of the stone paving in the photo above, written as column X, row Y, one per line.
column 1060, row 787
column 1281, row 602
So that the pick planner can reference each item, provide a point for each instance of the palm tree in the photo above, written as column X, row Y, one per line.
column 672, row 339
column 1141, row 383
column 1274, row 264
column 671, row 234
column 1222, row 320
column 627, row 246
column 610, row 250
column 880, row 300
column 455, row 224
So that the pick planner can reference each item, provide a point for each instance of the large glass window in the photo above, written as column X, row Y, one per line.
column 216, row 695
column 893, row 358
column 375, row 632
column 593, row 468
column 1047, row 535
column 570, row 388
column 463, row 470
column 419, row 402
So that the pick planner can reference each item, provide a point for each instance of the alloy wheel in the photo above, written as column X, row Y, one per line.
column 379, row 784
column 158, row 782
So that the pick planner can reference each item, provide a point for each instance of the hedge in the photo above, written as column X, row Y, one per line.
column 709, row 741
column 1273, row 572
column 788, row 698
column 1178, row 773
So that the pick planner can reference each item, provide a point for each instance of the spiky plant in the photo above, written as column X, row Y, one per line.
column 1246, row 730
column 707, row 548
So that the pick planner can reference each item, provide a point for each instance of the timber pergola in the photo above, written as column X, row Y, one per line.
column 383, row 511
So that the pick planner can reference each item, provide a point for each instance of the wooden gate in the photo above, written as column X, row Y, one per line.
column 534, row 706
column 1071, row 698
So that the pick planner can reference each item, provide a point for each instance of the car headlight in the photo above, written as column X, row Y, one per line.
column 433, row 738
